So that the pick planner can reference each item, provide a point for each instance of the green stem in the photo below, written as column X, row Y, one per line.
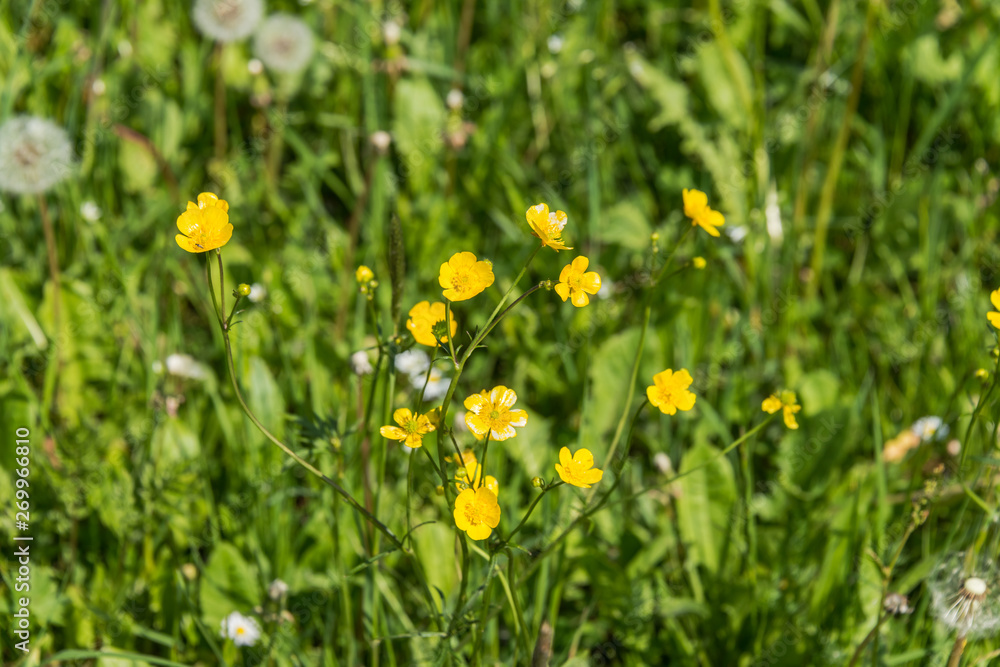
column 531, row 508
column 222, row 289
column 481, row 634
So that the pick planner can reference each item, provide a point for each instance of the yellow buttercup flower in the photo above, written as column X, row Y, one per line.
column 578, row 469
column 994, row 318
column 696, row 207
column 785, row 401
column 462, row 277
column 547, row 226
column 204, row 226
column 575, row 282
column 364, row 275
column 473, row 479
column 669, row 391
column 492, row 414
column 411, row 430
column 425, row 318
column 477, row 512
column 468, row 456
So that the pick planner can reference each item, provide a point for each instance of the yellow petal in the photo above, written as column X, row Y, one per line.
column 683, row 378
column 685, row 401
column 592, row 476
column 189, row 221
column 584, row 458
column 995, row 298
column 994, row 318
column 402, row 416
column 580, row 298
column 580, row 264
column 187, row 244
column 790, row 422
column 480, row 532
column 562, row 289
column 462, row 260
column 694, row 202
column 565, row 457
column 393, row 433
column 771, row 404
column 591, row 282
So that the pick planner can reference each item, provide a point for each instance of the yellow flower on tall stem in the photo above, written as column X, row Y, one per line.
column 575, row 282
column 492, row 414
column 473, row 478
column 463, row 277
column 425, row 317
column 477, row 512
column 204, row 226
column 696, row 207
column 578, row 469
column 411, row 430
column 787, row 403
column 547, row 226
column 994, row 318
column 669, row 391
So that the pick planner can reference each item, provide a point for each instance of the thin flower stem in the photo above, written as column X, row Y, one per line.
column 983, row 399
column 222, row 289
column 211, row 291
column 482, row 466
column 463, row 586
column 506, row 295
column 531, row 508
column 670, row 257
column 447, row 317
column 510, row 308
column 481, row 630
column 956, row 652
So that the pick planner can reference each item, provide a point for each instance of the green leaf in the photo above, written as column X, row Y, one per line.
column 228, row 584
column 705, row 502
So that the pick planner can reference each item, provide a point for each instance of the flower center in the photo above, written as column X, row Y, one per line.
column 411, row 426
column 473, row 515
column 495, row 414
column 460, row 281
column 27, row 154
column 240, row 631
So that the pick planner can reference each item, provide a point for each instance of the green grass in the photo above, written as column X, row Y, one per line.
column 869, row 130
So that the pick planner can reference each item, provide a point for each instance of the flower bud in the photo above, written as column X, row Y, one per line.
column 699, row 262
column 439, row 490
column 243, row 289
column 537, row 482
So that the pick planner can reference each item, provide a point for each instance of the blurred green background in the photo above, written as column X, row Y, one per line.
column 853, row 148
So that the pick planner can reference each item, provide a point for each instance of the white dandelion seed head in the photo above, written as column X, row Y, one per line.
column 243, row 630
column 227, row 20
column 35, row 154
column 90, row 211
column 360, row 363
column 412, row 362
column 966, row 600
column 185, row 366
column 284, row 43
column 930, row 428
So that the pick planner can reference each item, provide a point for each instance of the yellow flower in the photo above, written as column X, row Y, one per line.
column 696, row 207
column 423, row 318
column 575, row 282
column 699, row 262
column 411, row 430
column 669, row 391
column 468, row 456
column 784, row 401
column 473, row 479
column 477, row 512
column 364, row 275
column 205, row 225
column 994, row 318
column 547, row 226
column 492, row 414
column 462, row 277
column 578, row 469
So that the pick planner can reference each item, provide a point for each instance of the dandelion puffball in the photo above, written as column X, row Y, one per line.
column 35, row 154
column 284, row 43
column 227, row 20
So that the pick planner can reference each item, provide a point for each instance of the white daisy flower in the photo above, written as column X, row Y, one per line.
column 227, row 20
column 930, row 428
column 284, row 43
column 243, row 630
column 35, row 154
column 412, row 362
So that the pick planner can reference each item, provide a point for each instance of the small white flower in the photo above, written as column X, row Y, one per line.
column 391, row 32
column 98, row 87
column 381, row 140
column 90, row 211
column 437, row 384
column 255, row 66
column 35, row 154
column 185, row 366
column 930, row 429
column 278, row 589
column 412, row 362
column 257, row 293
column 284, row 43
column 360, row 363
column 243, row 630
column 455, row 99
column 555, row 44
column 227, row 20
